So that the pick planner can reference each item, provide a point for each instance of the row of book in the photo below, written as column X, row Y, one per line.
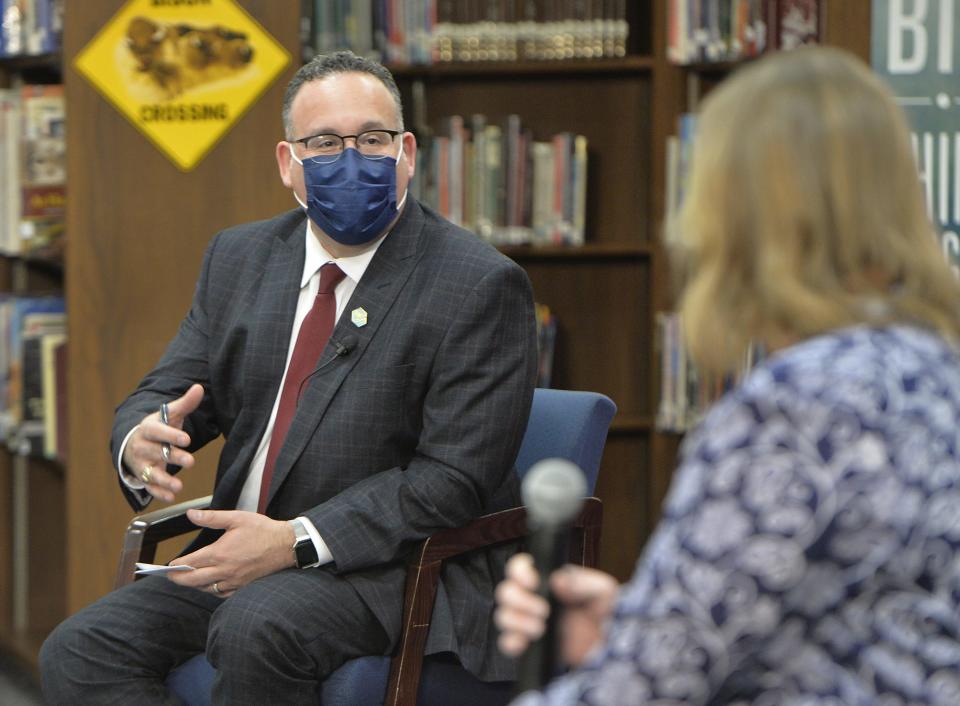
column 704, row 31
column 33, row 163
column 432, row 31
column 497, row 180
column 30, row 27
column 33, row 366
column 685, row 392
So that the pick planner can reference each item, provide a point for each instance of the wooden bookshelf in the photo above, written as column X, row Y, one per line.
column 606, row 293
column 32, row 490
column 565, row 67
column 846, row 24
column 601, row 291
column 138, row 227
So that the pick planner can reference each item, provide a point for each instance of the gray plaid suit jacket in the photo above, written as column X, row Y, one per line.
column 415, row 429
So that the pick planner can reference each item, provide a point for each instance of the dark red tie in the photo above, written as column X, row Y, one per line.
column 314, row 333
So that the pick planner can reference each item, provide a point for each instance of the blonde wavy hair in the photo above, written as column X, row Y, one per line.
column 804, row 212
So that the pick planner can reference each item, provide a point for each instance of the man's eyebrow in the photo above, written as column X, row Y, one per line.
column 372, row 125
column 368, row 125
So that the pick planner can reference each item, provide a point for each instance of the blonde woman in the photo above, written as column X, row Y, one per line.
column 809, row 551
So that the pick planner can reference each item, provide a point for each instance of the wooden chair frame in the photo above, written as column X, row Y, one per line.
column 146, row 531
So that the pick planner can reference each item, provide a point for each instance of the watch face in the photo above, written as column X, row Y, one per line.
column 306, row 553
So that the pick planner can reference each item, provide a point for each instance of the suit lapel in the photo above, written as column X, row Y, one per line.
column 376, row 294
column 271, row 316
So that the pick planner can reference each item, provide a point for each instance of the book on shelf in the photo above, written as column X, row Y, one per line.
column 24, row 321
column 53, row 390
column 678, row 162
column 686, row 393
column 56, row 443
column 495, row 179
column 796, row 23
column 440, row 31
column 43, row 174
column 33, row 162
column 30, row 27
column 10, row 196
column 546, row 343
column 706, row 31
column 42, row 331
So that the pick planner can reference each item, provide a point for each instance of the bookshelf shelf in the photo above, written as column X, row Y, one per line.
column 716, row 68
column 51, row 263
column 631, row 424
column 626, row 65
column 590, row 251
column 24, row 62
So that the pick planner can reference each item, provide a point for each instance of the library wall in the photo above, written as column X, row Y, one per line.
column 138, row 227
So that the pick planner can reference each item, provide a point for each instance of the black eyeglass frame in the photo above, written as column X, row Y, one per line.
column 343, row 138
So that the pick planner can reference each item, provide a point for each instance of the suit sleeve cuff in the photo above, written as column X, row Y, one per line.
column 134, row 484
column 323, row 552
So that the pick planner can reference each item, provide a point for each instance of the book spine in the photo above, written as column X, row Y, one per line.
column 578, row 235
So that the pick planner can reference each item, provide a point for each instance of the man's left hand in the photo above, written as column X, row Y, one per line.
column 252, row 546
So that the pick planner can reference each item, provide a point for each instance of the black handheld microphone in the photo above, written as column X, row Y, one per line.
column 342, row 348
column 553, row 491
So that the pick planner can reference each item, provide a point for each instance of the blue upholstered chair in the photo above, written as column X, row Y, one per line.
column 565, row 424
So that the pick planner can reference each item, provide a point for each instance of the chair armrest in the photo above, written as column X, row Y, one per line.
column 496, row 528
column 423, row 575
column 145, row 531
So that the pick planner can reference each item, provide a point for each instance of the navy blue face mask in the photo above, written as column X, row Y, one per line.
column 352, row 198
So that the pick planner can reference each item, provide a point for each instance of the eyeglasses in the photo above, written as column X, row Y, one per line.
column 370, row 143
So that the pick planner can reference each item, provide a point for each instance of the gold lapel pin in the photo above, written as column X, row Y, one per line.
column 359, row 317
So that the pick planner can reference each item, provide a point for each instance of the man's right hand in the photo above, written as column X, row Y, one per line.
column 143, row 452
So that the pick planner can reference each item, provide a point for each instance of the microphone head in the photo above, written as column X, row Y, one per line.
column 346, row 344
column 553, row 491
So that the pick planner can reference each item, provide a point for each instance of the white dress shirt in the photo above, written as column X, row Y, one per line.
column 315, row 257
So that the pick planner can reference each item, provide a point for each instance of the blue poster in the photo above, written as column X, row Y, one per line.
column 914, row 48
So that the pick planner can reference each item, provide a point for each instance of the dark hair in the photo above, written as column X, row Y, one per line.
column 338, row 63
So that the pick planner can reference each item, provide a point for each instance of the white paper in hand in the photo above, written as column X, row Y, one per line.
column 145, row 569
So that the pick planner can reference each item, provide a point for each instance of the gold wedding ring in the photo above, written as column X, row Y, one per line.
column 146, row 473
column 216, row 588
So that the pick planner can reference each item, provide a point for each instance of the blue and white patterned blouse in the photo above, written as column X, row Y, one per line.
column 810, row 548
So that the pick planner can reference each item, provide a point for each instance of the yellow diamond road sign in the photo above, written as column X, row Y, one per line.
column 182, row 71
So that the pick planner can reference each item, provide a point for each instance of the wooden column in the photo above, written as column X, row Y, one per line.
column 137, row 227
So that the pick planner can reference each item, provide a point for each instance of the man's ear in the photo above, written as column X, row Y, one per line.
column 284, row 162
column 410, row 152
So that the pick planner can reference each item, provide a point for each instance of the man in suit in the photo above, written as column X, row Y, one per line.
column 408, row 421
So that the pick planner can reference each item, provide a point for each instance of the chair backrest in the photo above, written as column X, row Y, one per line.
column 567, row 424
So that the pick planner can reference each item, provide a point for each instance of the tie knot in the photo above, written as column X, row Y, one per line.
column 330, row 276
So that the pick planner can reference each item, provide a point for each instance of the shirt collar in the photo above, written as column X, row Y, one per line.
column 316, row 256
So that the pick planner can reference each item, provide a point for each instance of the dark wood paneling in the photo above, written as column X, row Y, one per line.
column 602, row 341
column 6, row 544
column 623, row 487
column 137, row 230
column 47, row 546
column 847, row 25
